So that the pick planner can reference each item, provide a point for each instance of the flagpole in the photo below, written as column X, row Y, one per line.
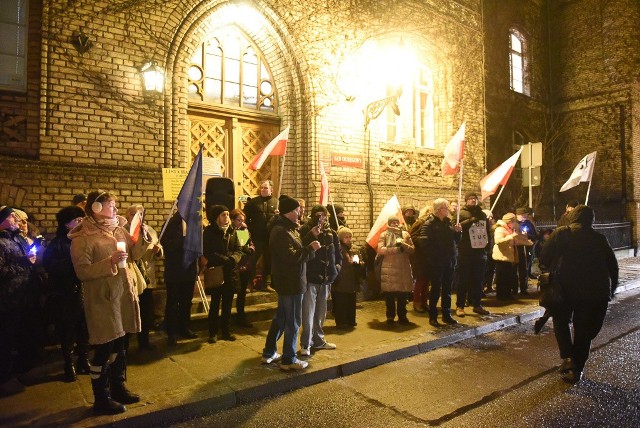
column 164, row 226
column 497, row 197
column 284, row 158
column 460, row 189
column 586, row 200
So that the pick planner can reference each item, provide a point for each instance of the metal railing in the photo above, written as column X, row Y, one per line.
column 619, row 234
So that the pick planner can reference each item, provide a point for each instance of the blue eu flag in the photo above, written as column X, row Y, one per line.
column 190, row 209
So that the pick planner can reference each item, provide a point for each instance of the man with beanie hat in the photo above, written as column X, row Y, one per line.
column 588, row 277
column 322, row 270
column 472, row 255
column 289, row 259
column 15, row 277
column 66, row 296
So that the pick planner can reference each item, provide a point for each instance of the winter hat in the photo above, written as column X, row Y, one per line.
column 470, row 195
column 287, row 204
column 67, row 214
column 214, row 211
column 391, row 219
column 5, row 212
column 509, row 217
column 407, row 208
column 317, row 209
column 522, row 210
column 344, row 231
column 80, row 197
column 339, row 208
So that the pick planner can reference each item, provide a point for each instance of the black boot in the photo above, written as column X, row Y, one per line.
column 83, row 363
column 103, row 404
column 69, row 370
column 143, row 341
column 118, row 376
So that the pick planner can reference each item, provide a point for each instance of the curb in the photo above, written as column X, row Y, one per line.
column 192, row 410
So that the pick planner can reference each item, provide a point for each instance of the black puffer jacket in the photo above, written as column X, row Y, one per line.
column 288, row 258
column 260, row 211
column 582, row 258
column 437, row 240
column 173, row 244
column 222, row 248
column 63, row 280
column 15, row 274
column 324, row 267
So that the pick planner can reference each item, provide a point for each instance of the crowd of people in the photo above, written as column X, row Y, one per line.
column 95, row 279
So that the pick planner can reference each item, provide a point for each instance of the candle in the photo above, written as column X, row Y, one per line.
column 122, row 246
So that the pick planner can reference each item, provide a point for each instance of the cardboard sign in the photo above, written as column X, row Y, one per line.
column 478, row 234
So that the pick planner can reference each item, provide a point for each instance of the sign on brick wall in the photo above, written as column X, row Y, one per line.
column 349, row 160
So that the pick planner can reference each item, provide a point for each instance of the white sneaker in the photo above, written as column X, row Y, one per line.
column 272, row 359
column 296, row 365
column 325, row 345
column 305, row 352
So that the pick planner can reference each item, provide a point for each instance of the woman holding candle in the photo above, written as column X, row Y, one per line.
column 100, row 246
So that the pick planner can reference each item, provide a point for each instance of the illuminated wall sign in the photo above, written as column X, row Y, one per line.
column 350, row 160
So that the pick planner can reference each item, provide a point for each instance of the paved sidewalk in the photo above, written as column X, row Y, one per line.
column 196, row 377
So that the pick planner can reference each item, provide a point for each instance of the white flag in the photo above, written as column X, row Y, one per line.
column 581, row 173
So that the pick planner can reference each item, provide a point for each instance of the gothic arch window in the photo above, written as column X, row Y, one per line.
column 518, row 62
column 415, row 123
column 228, row 69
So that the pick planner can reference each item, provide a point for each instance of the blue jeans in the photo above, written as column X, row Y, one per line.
column 286, row 321
column 314, row 313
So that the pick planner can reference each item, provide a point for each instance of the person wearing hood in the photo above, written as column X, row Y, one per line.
column 585, row 266
column 100, row 246
column 410, row 215
column 221, row 247
column 65, row 294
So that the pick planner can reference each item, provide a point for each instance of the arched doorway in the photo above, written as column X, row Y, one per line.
column 232, row 106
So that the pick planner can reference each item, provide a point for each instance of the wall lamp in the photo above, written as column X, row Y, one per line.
column 152, row 79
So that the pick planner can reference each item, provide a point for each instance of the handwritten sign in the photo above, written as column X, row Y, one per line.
column 478, row 234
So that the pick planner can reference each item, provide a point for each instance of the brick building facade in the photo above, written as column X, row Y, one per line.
column 83, row 121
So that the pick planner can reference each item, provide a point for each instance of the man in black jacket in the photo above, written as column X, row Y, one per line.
column 437, row 239
column 584, row 264
column 260, row 210
column 472, row 255
column 288, row 269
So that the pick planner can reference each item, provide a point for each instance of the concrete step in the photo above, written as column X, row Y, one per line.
column 259, row 306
